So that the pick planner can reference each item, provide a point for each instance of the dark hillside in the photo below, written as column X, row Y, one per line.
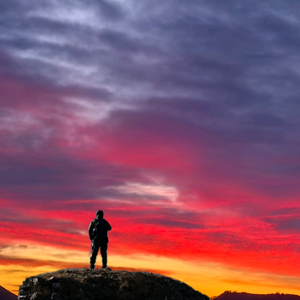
column 246, row 296
column 7, row 295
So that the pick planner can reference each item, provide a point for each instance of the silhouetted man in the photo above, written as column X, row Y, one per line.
column 98, row 235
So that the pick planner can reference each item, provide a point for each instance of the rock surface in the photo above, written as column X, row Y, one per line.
column 86, row 284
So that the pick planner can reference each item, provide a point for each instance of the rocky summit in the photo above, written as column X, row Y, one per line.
column 86, row 284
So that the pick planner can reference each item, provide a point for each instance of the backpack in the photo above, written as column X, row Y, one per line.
column 99, row 230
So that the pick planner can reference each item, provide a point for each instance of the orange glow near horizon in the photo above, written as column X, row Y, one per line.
column 207, row 277
column 56, row 239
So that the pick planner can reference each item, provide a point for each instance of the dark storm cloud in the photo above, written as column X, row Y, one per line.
column 109, row 10
column 286, row 33
column 287, row 225
column 60, row 177
column 268, row 120
column 120, row 41
column 9, row 8
column 174, row 223
column 287, row 211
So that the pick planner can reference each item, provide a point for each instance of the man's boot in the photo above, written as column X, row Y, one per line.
column 104, row 260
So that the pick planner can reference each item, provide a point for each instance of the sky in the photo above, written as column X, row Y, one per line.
column 179, row 119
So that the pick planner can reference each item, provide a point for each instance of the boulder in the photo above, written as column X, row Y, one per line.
column 86, row 284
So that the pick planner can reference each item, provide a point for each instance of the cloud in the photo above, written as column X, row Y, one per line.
column 286, row 223
column 291, row 224
column 145, row 190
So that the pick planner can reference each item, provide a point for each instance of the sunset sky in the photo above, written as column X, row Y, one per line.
column 179, row 119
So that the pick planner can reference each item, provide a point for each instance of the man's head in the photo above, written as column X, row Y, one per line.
column 100, row 214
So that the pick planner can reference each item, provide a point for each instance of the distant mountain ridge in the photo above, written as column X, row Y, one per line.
column 7, row 295
column 246, row 296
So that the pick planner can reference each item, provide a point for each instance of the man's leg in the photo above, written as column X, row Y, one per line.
column 94, row 254
column 103, row 251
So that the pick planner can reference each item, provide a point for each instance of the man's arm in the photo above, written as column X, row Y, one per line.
column 108, row 227
column 91, row 227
